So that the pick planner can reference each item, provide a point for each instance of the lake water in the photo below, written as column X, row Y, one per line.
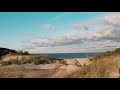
column 69, row 55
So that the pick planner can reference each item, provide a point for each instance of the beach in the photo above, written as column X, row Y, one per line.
column 72, row 65
column 54, row 70
column 82, row 61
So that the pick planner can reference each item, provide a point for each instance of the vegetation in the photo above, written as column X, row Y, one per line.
column 105, row 65
column 33, row 59
column 106, row 54
column 5, row 51
column 108, row 67
column 23, row 53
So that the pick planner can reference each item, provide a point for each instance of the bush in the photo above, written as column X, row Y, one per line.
column 5, row 63
column 37, row 62
column 26, row 53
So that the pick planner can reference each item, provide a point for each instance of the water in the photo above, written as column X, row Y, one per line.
column 69, row 55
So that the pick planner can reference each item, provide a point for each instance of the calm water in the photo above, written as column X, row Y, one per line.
column 70, row 55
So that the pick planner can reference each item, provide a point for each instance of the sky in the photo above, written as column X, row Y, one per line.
column 60, row 32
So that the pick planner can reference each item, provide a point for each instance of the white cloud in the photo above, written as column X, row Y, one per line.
column 62, row 41
column 111, row 19
column 105, row 35
column 103, row 45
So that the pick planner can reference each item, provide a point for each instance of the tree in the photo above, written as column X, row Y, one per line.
column 26, row 53
column 20, row 52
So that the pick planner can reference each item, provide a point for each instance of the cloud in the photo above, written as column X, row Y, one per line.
column 48, row 26
column 102, row 32
column 104, row 45
column 59, row 16
column 110, row 28
column 51, row 26
column 37, row 36
column 26, row 41
column 60, row 41
column 105, row 35
column 69, row 39
column 79, row 26
column 111, row 19
column 28, row 47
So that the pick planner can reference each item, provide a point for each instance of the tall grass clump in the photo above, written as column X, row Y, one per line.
column 108, row 67
column 116, row 52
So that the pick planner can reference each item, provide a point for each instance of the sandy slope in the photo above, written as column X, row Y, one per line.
column 55, row 70
column 81, row 61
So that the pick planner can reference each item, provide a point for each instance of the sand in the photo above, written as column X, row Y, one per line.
column 55, row 70
column 81, row 61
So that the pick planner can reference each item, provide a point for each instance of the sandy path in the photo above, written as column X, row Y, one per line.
column 82, row 61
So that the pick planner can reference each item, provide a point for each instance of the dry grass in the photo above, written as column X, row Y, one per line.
column 108, row 67
column 25, row 73
column 32, row 59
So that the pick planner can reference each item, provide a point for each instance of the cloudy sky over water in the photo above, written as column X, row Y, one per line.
column 60, row 32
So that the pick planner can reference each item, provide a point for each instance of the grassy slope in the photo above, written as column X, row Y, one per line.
column 107, row 54
column 33, row 59
column 106, row 65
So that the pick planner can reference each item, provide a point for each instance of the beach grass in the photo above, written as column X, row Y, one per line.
column 108, row 67
column 33, row 59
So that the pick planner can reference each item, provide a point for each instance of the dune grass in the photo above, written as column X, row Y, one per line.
column 105, row 68
column 115, row 52
column 33, row 59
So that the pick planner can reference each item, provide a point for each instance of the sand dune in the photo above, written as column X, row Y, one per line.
column 55, row 70
column 81, row 61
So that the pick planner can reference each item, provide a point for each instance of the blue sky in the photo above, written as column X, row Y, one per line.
column 45, row 32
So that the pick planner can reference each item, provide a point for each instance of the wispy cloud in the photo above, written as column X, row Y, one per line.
column 48, row 26
column 59, row 16
column 35, row 36
column 105, row 34
column 28, row 47
column 51, row 26
column 79, row 26
column 105, row 44
column 26, row 41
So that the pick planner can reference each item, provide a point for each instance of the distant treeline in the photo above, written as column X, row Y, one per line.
column 23, row 52
column 5, row 51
